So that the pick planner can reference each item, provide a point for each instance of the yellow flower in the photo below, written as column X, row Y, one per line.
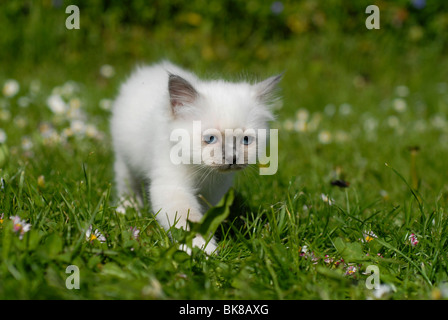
column 41, row 182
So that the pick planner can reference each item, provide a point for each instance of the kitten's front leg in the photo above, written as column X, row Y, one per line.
column 175, row 205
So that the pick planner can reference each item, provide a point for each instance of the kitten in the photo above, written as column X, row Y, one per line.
column 159, row 100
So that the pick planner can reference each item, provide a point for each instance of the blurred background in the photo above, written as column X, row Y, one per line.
column 228, row 36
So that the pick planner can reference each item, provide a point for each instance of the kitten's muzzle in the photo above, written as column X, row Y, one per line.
column 230, row 167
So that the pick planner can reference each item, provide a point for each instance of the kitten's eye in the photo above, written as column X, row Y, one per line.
column 210, row 139
column 247, row 140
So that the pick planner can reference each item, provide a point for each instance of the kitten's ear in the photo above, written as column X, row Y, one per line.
column 266, row 89
column 181, row 92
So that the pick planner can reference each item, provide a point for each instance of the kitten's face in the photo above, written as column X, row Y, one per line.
column 229, row 149
column 225, row 120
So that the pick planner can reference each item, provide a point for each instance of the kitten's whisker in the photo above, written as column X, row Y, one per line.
column 201, row 172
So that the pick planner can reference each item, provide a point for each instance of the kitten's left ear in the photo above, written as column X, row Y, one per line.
column 181, row 92
column 266, row 89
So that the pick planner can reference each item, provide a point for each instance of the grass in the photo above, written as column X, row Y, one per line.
column 351, row 104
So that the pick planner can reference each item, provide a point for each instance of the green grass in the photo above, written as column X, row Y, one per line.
column 366, row 99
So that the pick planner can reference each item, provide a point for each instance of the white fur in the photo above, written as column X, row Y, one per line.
column 141, row 125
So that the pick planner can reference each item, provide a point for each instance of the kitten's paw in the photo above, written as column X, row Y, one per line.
column 200, row 242
column 125, row 204
column 121, row 209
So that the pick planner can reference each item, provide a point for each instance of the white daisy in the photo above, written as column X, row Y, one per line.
column 302, row 114
column 96, row 235
column 324, row 137
column 368, row 236
column 402, row 91
column 78, row 126
column 325, row 198
column 135, row 233
column 56, row 104
column 107, row 71
column 11, row 88
column 20, row 226
column 400, row 105
column 27, row 144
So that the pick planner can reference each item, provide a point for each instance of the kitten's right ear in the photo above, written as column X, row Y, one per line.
column 265, row 90
column 181, row 92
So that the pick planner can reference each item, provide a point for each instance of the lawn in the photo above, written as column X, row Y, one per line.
column 362, row 181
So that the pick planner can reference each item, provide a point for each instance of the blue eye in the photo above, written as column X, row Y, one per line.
column 210, row 139
column 247, row 140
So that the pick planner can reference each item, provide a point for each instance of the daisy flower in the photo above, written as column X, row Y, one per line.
column 300, row 126
column 107, row 71
column 306, row 254
column 27, row 144
column 20, row 226
column 314, row 258
column 328, row 259
column 339, row 262
column 351, row 270
column 413, row 239
column 69, row 88
column 400, row 105
column 402, row 91
column 302, row 115
column 78, row 127
column 288, row 125
column 324, row 137
column 11, row 88
column 97, row 235
column 56, row 104
column 325, row 198
column 135, row 233
column 91, row 131
column 368, row 236
column 384, row 194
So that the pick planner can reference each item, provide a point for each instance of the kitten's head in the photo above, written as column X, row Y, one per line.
column 224, row 119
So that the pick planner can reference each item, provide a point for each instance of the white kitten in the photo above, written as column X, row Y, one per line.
column 160, row 99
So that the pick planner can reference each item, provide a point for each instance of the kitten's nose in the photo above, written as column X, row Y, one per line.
column 230, row 159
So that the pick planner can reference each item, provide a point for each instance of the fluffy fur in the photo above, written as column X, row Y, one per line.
column 158, row 99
